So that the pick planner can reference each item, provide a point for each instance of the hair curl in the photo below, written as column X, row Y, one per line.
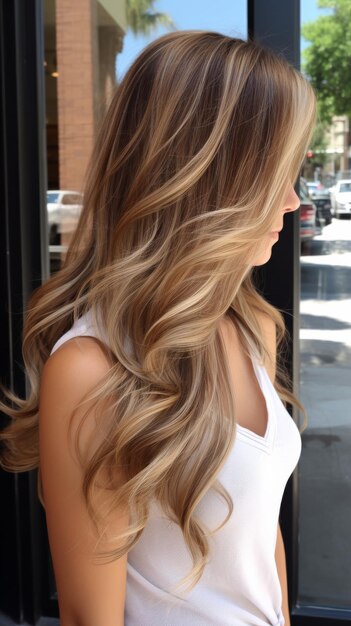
column 187, row 176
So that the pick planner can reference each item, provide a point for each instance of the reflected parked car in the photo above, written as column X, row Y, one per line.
column 341, row 198
column 321, row 198
column 64, row 209
column 308, row 214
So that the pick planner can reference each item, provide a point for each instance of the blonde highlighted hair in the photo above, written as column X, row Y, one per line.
column 187, row 176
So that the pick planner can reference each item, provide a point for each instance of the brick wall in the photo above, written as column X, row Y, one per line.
column 77, row 88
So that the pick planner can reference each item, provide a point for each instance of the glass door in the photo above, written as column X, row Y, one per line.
column 88, row 48
column 324, row 477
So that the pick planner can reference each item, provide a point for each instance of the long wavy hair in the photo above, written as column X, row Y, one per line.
column 187, row 177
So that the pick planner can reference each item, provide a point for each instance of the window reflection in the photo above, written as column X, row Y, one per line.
column 82, row 41
column 324, row 575
column 325, row 469
column 88, row 48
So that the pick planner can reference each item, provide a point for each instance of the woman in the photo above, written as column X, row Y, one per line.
column 153, row 415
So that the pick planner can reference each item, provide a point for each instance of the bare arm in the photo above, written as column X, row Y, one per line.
column 89, row 593
column 268, row 327
column 281, row 567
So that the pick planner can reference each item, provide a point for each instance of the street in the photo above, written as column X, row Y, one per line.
column 325, row 390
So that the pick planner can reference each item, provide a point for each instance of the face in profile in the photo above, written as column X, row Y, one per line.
column 291, row 203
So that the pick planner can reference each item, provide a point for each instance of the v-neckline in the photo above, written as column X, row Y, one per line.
column 264, row 442
column 266, row 388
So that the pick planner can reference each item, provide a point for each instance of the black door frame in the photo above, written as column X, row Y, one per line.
column 24, row 264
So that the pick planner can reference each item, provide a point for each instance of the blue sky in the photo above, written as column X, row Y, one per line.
column 225, row 16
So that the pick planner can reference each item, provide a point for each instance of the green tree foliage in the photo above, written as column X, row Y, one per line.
column 319, row 142
column 327, row 60
column 142, row 18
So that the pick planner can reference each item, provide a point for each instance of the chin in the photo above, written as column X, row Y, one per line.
column 263, row 258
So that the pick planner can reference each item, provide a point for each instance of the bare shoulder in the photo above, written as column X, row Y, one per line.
column 79, row 364
column 68, row 376
column 89, row 592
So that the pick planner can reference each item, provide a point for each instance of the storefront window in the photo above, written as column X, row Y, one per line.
column 88, row 47
column 324, row 577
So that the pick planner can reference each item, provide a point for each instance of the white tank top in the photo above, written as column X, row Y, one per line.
column 240, row 584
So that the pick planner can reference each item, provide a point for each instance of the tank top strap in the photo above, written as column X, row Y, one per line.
column 82, row 327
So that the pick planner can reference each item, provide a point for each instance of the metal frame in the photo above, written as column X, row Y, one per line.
column 277, row 26
column 24, row 262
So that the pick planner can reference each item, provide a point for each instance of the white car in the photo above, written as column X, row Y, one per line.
column 341, row 197
column 64, row 209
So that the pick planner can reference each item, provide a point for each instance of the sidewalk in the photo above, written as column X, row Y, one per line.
column 325, row 390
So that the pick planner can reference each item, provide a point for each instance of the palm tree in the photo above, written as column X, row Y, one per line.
column 142, row 18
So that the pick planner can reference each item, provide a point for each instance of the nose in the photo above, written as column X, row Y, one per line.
column 292, row 201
